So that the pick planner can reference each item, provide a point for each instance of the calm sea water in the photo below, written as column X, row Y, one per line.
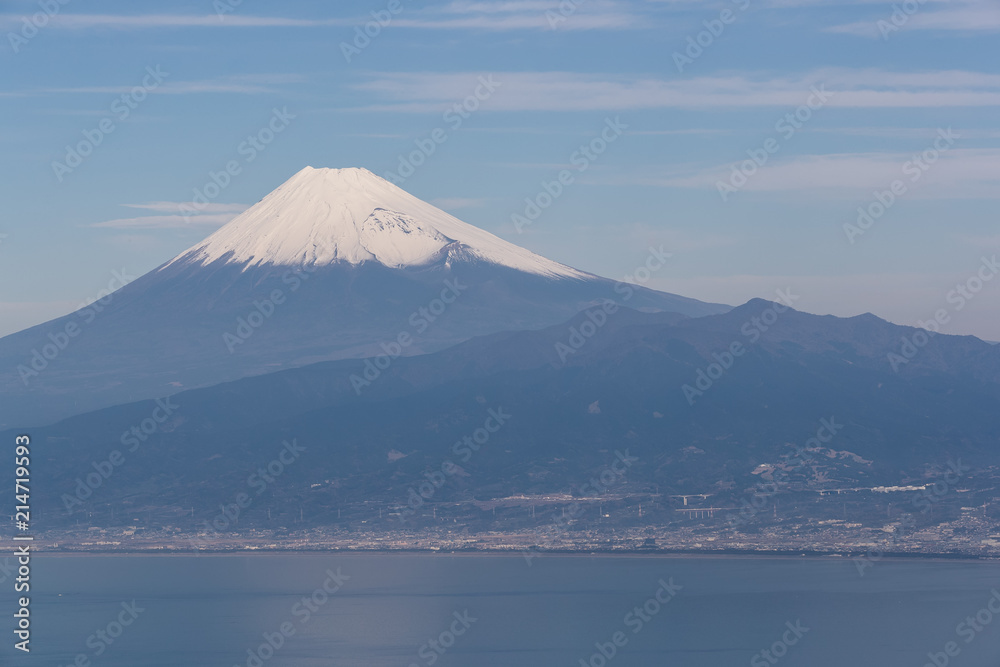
column 481, row 611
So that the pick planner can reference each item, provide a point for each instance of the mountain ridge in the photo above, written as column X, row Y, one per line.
column 622, row 390
column 330, row 265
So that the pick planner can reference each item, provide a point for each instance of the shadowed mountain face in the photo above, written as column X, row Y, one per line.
column 699, row 402
column 333, row 264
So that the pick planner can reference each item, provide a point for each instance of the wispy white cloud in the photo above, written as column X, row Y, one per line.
column 957, row 174
column 237, row 84
column 968, row 17
column 170, row 206
column 507, row 15
column 146, row 21
column 681, row 131
column 502, row 6
column 165, row 222
column 422, row 92
column 522, row 15
column 527, row 15
column 899, row 132
column 458, row 15
column 210, row 215
column 375, row 135
column 795, row 4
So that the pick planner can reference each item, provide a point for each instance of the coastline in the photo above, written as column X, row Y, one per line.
column 509, row 553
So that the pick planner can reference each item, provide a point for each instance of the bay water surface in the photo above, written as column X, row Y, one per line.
column 485, row 611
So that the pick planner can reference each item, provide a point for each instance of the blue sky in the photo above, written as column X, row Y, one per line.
column 199, row 78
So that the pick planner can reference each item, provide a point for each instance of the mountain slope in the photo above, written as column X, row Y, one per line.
column 335, row 263
column 621, row 390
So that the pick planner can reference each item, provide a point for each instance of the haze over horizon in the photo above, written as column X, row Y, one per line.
column 549, row 81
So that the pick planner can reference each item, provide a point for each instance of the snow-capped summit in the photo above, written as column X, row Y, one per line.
column 328, row 216
column 333, row 264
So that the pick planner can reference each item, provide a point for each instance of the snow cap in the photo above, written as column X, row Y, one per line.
column 328, row 216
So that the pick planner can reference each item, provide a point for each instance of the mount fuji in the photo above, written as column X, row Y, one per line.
column 333, row 264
